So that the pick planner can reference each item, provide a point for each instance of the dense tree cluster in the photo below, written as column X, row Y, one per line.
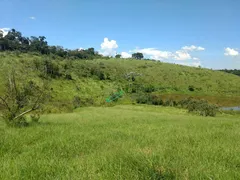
column 232, row 71
column 15, row 41
column 137, row 56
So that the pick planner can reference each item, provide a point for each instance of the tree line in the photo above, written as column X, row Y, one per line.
column 15, row 41
column 232, row 71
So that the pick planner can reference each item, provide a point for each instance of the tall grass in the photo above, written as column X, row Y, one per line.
column 123, row 142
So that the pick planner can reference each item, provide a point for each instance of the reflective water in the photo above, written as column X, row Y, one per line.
column 236, row 108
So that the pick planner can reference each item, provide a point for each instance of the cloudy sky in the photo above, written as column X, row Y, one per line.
column 189, row 32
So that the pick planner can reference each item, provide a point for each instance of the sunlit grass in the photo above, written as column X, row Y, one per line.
column 123, row 142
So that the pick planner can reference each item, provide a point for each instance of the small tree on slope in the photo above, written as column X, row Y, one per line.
column 20, row 99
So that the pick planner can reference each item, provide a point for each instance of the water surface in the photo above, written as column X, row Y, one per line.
column 236, row 108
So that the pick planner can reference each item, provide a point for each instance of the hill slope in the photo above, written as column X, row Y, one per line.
column 94, row 80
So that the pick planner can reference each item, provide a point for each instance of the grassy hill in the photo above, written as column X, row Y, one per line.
column 123, row 142
column 94, row 80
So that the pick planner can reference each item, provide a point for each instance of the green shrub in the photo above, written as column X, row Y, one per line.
column 170, row 102
column 156, row 100
column 76, row 102
column 143, row 98
column 200, row 107
column 68, row 77
column 35, row 118
column 191, row 88
column 19, row 122
column 150, row 88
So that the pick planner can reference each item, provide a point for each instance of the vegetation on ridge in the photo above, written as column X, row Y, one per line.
column 80, row 78
column 94, row 80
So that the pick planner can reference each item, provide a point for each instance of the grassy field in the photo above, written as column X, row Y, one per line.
column 94, row 80
column 123, row 142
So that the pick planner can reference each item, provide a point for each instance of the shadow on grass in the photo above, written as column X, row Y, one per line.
column 144, row 167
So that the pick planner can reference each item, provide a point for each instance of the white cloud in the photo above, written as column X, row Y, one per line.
column 32, row 18
column 5, row 31
column 108, row 47
column 155, row 53
column 193, row 64
column 182, row 55
column 125, row 55
column 80, row 49
column 193, row 48
column 195, row 58
column 231, row 52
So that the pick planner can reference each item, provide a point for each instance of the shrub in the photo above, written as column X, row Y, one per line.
column 200, row 107
column 191, row 88
column 156, row 100
column 98, row 72
column 68, row 77
column 90, row 101
column 35, row 118
column 76, row 102
column 170, row 102
column 143, row 98
column 21, row 98
column 149, row 89
column 19, row 122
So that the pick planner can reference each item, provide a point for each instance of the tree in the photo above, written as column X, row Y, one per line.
column 20, row 99
column 15, row 41
column 137, row 55
column 1, row 33
column 11, row 40
column 38, row 44
column 3, row 42
column 91, row 51
column 118, row 56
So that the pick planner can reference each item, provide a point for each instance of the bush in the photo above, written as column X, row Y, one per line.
column 170, row 102
column 156, row 100
column 90, row 101
column 98, row 72
column 191, row 88
column 76, row 102
column 149, row 89
column 68, row 77
column 19, row 122
column 200, row 107
column 35, row 118
column 21, row 98
column 143, row 98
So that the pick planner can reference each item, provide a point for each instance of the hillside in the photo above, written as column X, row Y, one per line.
column 92, row 81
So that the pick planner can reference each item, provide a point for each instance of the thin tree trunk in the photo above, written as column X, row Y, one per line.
column 22, row 114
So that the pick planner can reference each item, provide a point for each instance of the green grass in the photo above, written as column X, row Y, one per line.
column 168, row 80
column 123, row 142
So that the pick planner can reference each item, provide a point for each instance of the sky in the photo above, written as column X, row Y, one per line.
column 188, row 32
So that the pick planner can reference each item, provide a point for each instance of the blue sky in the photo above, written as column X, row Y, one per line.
column 190, row 32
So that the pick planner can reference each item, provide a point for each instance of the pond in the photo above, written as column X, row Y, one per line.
column 236, row 108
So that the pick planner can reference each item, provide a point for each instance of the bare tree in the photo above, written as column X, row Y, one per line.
column 21, row 98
